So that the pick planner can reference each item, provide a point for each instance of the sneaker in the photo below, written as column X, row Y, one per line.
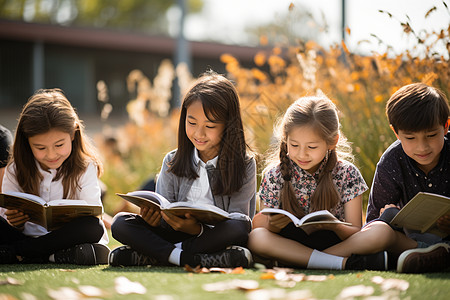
column 101, row 253
column 82, row 254
column 125, row 256
column 423, row 260
column 231, row 257
column 375, row 262
column 7, row 255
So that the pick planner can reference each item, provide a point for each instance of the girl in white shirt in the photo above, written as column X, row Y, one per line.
column 53, row 159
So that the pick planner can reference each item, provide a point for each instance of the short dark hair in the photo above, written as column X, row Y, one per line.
column 6, row 141
column 417, row 107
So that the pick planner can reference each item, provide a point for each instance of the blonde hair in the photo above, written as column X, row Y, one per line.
column 49, row 109
column 319, row 113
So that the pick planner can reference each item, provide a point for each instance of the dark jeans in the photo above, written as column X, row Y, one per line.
column 319, row 240
column 78, row 231
column 158, row 242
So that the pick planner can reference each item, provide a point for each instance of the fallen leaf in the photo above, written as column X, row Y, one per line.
column 91, row 291
column 124, row 286
column 238, row 270
column 355, row 291
column 28, row 296
column 316, row 278
column 65, row 293
column 7, row 297
column 391, row 283
column 235, row 284
column 266, row 294
column 268, row 275
column 10, row 281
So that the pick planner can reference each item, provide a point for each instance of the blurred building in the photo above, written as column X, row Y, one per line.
column 74, row 59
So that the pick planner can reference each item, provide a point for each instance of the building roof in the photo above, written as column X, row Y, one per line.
column 114, row 40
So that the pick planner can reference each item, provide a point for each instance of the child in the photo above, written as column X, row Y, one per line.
column 419, row 161
column 5, row 146
column 52, row 158
column 211, row 165
column 307, row 173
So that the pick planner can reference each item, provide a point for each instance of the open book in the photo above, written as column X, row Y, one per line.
column 422, row 212
column 204, row 213
column 52, row 214
column 314, row 218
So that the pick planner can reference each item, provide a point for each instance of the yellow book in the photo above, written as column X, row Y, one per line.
column 422, row 212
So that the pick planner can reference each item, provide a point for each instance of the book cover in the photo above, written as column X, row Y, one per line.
column 204, row 213
column 422, row 212
column 314, row 218
column 50, row 215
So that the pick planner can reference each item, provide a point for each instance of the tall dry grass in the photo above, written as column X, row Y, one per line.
column 359, row 85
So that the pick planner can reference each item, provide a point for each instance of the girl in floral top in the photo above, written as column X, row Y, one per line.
column 308, row 171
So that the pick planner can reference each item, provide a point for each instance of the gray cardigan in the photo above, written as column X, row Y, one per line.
column 175, row 189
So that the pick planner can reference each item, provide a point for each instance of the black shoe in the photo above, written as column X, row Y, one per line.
column 231, row 257
column 83, row 254
column 125, row 256
column 7, row 255
column 101, row 253
column 435, row 258
column 374, row 262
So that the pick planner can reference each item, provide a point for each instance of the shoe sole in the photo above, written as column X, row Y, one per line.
column 405, row 254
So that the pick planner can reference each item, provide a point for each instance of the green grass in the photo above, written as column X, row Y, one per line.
column 174, row 281
column 179, row 284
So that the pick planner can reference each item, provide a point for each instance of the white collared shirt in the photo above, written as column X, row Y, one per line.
column 53, row 190
column 200, row 191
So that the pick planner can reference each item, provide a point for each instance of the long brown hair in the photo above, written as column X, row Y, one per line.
column 321, row 114
column 49, row 109
column 220, row 102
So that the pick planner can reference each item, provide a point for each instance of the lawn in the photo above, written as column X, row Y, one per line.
column 53, row 281
column 166, row 283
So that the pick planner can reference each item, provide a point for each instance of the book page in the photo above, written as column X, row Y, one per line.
column 146, row 199
column 271, row 210
column 34, row 210
column 422, row 212
column 205, row 213
column 321, row 215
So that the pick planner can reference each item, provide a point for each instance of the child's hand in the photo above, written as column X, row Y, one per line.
column 278, row 222
column 388, row 206
column 444, row 224
column 16, row 218
column 188, row 225
column 151, row 216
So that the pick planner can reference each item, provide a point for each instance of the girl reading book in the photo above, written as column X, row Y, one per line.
column 211, row 165
column 309, row 170
column 53, row 159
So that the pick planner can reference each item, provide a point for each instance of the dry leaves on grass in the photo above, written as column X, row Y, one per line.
column 203, row 270
column 235, row 284
column 124, row 286
column 10, row 281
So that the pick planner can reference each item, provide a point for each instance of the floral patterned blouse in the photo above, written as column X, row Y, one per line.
column 346, row 177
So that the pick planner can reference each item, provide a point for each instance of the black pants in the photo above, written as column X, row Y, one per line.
column 319, row 240
column 158, row 242
column 78, row 231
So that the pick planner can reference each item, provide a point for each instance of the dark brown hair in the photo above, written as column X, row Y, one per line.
column 417, row 107
column 321, row 114
column 49, row 109
column 220, row 102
